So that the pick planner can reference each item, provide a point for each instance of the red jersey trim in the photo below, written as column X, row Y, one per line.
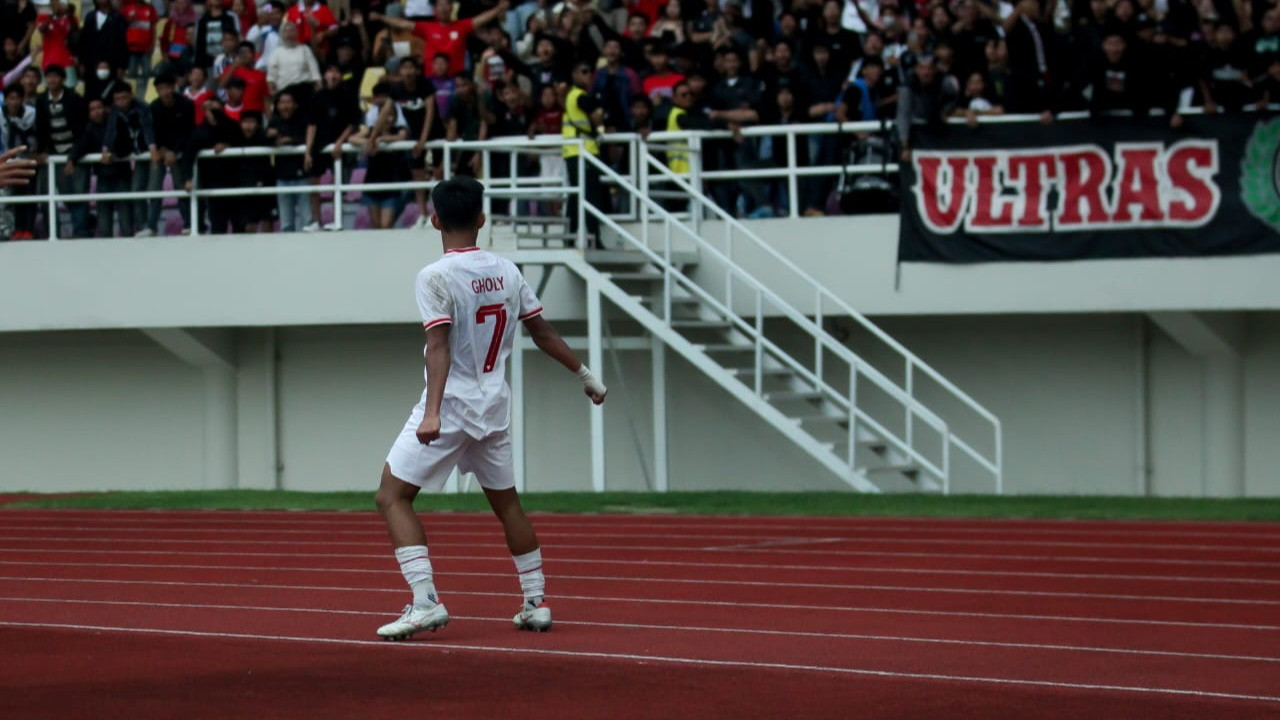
column 461, row 250
column 437, row 321
column 531, row 313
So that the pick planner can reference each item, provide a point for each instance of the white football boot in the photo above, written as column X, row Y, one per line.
column 415, row 619
column 537, row 618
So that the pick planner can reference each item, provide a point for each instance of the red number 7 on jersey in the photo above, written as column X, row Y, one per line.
column 499, row 312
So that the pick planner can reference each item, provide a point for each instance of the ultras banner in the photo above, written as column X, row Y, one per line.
column 1071, row 190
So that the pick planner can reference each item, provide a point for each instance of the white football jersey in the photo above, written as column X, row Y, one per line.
column 483, row 296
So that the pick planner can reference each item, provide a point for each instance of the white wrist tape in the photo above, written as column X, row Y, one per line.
column 590, row 381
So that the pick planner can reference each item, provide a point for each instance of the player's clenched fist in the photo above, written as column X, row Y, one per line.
column 591, row 385
column 428, row 430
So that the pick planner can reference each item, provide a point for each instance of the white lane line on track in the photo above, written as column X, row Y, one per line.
column 680, row 628
column 659, row 548
column 790, row 566
column 676, row 581
column 434, row 520
column 627, row 536
column 1228, row 528
column 660, row 659
column 773, row 567
column 666, row 601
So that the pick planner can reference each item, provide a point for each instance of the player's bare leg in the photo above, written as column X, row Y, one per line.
column 522, row 541
column 395, row 503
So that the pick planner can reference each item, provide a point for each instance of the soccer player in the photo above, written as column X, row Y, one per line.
column 469, row 300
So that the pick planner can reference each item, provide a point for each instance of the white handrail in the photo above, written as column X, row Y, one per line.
column 842, row 401
column 910, row 358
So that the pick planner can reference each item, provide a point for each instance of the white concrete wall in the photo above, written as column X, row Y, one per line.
column 111, row 410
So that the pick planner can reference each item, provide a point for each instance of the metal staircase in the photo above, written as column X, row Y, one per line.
column 867, row 425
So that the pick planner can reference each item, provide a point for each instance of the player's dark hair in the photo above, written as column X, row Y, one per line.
column 458, row 202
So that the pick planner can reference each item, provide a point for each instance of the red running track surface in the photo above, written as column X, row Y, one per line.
column 194, row 615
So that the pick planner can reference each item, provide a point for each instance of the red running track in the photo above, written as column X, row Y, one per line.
column 269, row 614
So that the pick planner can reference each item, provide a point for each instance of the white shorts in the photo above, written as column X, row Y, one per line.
column 429, row 466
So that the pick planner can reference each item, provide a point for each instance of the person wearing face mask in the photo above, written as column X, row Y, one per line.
column 101, row 83
column 103, row 38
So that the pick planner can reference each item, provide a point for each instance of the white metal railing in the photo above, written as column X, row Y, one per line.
column 824, row 302
column 765, row 301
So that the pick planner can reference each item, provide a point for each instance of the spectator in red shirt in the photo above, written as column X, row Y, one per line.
column 56, row 28
column 140, row 38
column 255, row 81
column 315, row 24
column 444, row 35
column 197, row 91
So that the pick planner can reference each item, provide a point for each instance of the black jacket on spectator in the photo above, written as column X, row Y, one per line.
column 174, row 124
column 75, row 114
column 91, row 141
column 1030, row 89
column 1117, row 86
column 291, row 132
column 131, row 129
column 218, row 129
column 103, row 43
column 925, row 105
column 331, row 111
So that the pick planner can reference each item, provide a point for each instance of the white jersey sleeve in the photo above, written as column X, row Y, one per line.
column 435, row 302
column 529, row 305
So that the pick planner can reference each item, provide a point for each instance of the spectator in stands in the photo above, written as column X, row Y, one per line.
column 413, row 95
column 1264, row 43
column 265, row 36
column 548, row 118
column 926, row 100
column 615, row 83
column 1224, row 83
column 445, row 35
column 288, row 128
column 292, row 65
column 1032, row 62
column 973, row 29
column 18, row 129
column 140, row 38
column 975, row 103
column 174, row 118
column 384, row 123
column 91, row 142
column 466, row 121
column 255, row 81
column 226, row 58
column 234, row 103
column 734, row 103
column 315, row 22
column 253, row 213
column 198, row 92
column 670, row 28
column 130, row 131
column 210, row 30
column 56, row 28
column 396, row 41
column 659, row 84
column 10, row 60
column 1269, row 86
column 334, row 117
column 219, row 132
column 583, row 116
column 103, row 39
column 61, row 115
column 350, row 63
column 844, row 44
column 783, row 110
column 18, row 22
column 29, row 80
column 1114, row 81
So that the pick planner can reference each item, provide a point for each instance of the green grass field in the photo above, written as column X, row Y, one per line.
column 704, row 503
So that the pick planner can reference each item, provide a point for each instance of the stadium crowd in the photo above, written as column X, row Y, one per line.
column 174, row 77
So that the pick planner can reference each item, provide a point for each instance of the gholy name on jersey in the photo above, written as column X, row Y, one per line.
column 489, row 284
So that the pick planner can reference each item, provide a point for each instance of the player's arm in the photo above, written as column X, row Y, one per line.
column 550, row 342
column 437, row 359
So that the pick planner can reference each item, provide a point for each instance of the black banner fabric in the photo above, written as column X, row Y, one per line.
column 1082, row 189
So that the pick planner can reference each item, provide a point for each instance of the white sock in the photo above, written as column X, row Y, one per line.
column 415, row 565
column 532, row 581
